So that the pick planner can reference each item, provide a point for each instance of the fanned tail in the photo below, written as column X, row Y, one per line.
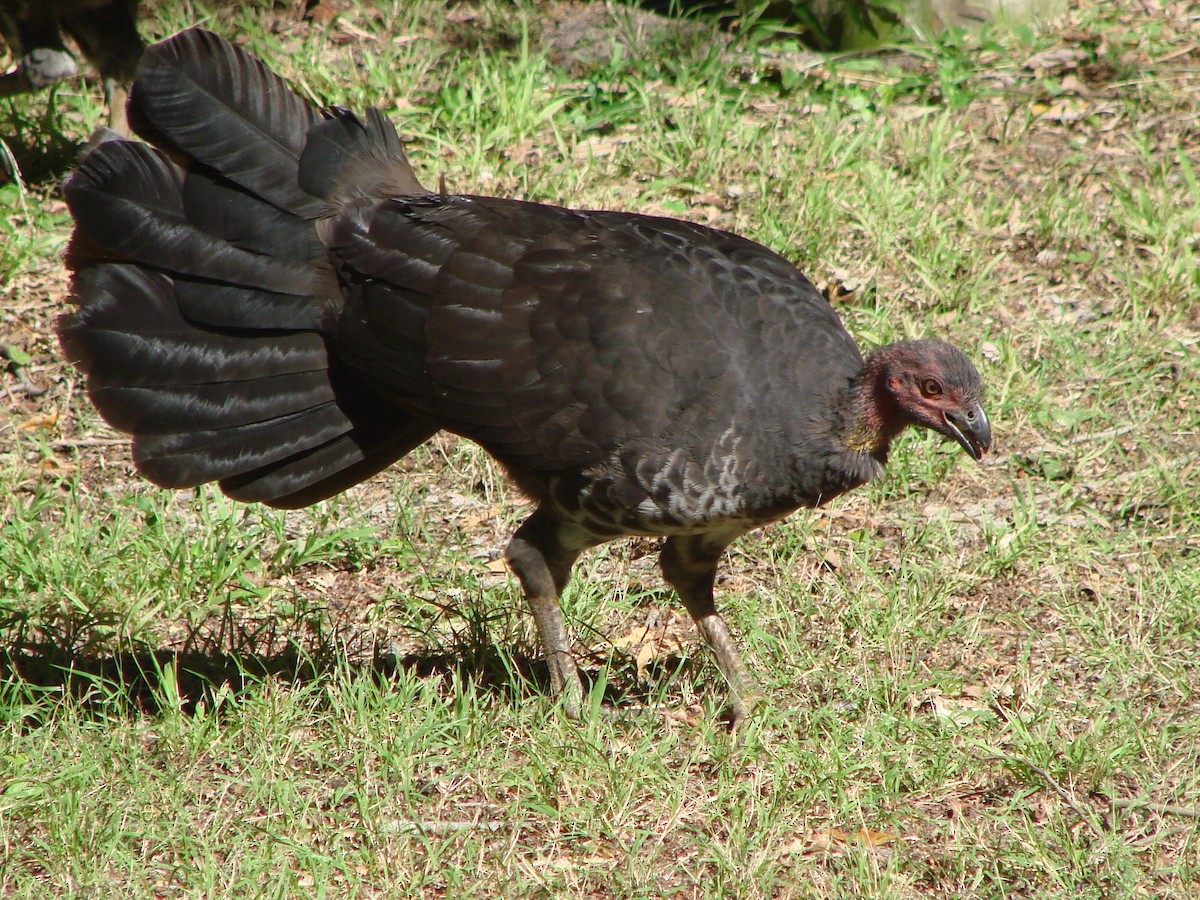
column 204, row 293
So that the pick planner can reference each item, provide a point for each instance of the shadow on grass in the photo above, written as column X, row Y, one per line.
column 36, row 144
column 155, row 680
column 42, row 159
column 208, row 663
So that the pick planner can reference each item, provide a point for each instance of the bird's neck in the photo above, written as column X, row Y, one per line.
column 872, row 420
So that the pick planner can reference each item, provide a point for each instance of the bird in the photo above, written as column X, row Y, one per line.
column 266, row 297
column 105, row 30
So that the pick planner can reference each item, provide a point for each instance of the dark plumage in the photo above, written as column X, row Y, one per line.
column 105, row 30
column 272, row 301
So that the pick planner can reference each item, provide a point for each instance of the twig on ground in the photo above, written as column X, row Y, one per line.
column 439, row 827
column 70, row 444
column 1098, row 435
column 1165, row 809
column 25, row 387
column 17, row 365
column 1164, row 834
column 1062, row 792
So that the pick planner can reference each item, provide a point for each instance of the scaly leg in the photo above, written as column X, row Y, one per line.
column 689, row 564
column 109, row 39
column 542, row 563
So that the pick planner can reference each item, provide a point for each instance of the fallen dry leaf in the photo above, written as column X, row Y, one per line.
column 834, row 840
column 321, row 13
column 1056, row 58
column 523, row 152
column 957, row 711
column 599, row 147
column 39, row 422
column 54, row 465
column 648, row 645
column 473, row 521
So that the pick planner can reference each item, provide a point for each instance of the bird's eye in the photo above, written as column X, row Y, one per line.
column 931, row 387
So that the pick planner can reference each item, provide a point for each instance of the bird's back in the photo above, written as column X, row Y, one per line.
column 660, row 373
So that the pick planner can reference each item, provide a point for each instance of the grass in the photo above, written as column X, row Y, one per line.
column 983, row 678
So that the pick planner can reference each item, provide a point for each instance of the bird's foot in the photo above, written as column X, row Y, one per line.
column 743, row 704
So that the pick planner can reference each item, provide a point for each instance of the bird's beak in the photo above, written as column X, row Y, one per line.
column 971, row 428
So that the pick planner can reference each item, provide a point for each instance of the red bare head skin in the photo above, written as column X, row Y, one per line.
column 926, row 383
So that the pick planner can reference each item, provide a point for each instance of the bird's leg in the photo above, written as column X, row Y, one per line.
column 109, row 39
column 689, row 564
column 543, row 565
column 117, row 95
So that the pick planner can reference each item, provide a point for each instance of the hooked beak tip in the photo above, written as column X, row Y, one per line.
column 971, row 429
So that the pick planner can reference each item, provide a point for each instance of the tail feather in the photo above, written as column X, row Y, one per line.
column 204, row 294
column 233, row 306
column 346, row 157
column 130, row 331
column 177, row 389
column 127, row 199
column 330, row 469
column 188, row 458
column 188, row 408
column 222, row 107
column 228, row 211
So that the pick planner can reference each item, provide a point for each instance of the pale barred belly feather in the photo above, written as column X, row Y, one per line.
column 668, row 494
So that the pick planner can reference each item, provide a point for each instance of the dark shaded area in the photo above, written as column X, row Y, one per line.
column 152, row 681
column 105, row 32
column 823, row 25
column 42, row 153
column 717, row 8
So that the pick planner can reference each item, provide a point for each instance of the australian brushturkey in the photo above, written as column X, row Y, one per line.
column 271, row 300
column 105, row 30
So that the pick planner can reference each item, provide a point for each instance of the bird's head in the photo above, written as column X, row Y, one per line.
column 931, row 384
